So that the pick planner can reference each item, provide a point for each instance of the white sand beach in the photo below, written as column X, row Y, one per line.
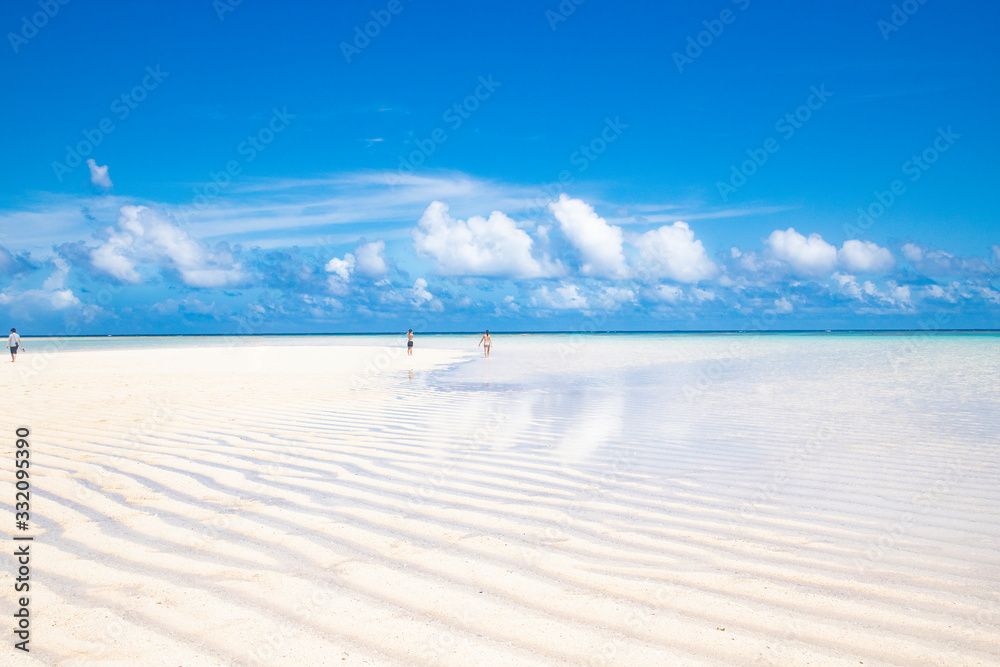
column 574, row 500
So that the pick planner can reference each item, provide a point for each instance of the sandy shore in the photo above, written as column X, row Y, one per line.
column 349, row 505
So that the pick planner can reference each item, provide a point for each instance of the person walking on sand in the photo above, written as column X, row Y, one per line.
column 409, row 343
column 14, row 343
column 485, row 342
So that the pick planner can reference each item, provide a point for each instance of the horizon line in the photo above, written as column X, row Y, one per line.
column 522, row 333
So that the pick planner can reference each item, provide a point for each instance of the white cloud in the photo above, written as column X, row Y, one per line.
column 672, row 252
column 421, row 296
column 753, row 263
column 668, row 293
column 937, row 292
column 848, row 285
column 99, row 175
column 54, row 295
column 865, row 257
column 36, row 298
column 899, row 294
column 111, row 258
column 366, row 260
column 370, row 259
column 988, row 294
column 913, row 252
column 564, row 297
column 612, row 298
column 894, row 295
column 506, row 306
column 782, row 305
column 702, row 294
column 145, row 236
column 940, row 262
column 342, row 268
column 480, row 247
column 810, row 256
column 341, row 274
column 599, row 244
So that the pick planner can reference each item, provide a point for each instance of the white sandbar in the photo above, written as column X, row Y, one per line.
column 598, row 500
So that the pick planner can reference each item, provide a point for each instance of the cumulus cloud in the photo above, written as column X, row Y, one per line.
column 366, row 260
column 810, row 255
column 371, row 260
column 341, row 268
column 599, row 244
column 420, row 296
column 893, row 294
column 54, row 295
column 613, row 298
column 564, row 297
column 668, row 293
column 988, row 294
column 144, row 236
column 702, row 294
column 940, row 262
column 111, row 258
column 492, row 247
column 782, row 306
column 913, row 252
column 899, row 294
column 99, row 175
column 865, row 257
column 674, row 294
column 938, row 293
column 672, row 252
column 848, row 285
column 751, row 262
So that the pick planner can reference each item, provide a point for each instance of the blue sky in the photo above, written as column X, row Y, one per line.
column 519, row 166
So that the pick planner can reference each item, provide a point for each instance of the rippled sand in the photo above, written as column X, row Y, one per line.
column 574, row 500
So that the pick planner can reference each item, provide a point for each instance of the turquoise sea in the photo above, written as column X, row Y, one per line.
column 446, row 340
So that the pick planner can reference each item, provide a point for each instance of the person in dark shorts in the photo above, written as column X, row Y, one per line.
column 409, row 343
column 14, row 343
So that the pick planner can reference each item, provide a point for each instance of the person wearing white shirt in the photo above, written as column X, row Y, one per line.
column 14, row 343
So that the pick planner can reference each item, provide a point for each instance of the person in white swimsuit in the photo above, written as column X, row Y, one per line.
column 486, row 342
